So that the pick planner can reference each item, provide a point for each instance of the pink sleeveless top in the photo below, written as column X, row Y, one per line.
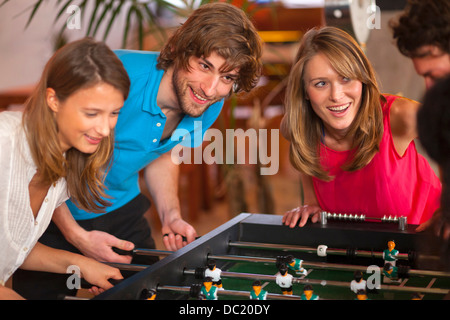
column 389, row 185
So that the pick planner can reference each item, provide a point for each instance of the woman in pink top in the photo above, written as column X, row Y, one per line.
column 352, row 145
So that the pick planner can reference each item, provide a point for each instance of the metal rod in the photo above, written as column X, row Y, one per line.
column 286, row 247
column 151, row 252
column 126, row 266
column 326, row 265
column 226, row 292
column 240, row 275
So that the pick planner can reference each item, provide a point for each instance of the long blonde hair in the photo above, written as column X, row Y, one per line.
column 77, row 65
column 304, row 127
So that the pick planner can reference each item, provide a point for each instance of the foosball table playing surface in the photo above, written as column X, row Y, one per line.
column 253, row 247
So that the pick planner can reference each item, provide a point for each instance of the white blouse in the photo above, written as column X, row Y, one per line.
column 19, row 230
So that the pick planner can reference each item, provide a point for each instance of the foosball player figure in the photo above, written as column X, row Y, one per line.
column 358, row 283
column 361, row 295
column 295, row 265
column 416, row 296
column 214, row 273
column 390, row 272
column 284, row 280
column 308, row 293
column 148, row 294
column 390, row 255
column 208, row 290
column 395, row 273
column 151, row 295
column 257, row 292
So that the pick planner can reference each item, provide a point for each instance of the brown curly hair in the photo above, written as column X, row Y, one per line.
column 424, row 22
column 222, row 28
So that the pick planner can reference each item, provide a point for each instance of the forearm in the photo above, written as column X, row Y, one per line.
column 161, row 178
column 67, row 225
column 92, row 243
column 9, row 294
column 308, row 190
column 43, row 258
column 47, row 259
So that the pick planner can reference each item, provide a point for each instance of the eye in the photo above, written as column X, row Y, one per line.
column 204, row 66
column 229, row 79
column 319, row 84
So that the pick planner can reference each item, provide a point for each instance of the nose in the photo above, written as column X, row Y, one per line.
column 336, row 92
column 104, row 126
column 209, row 85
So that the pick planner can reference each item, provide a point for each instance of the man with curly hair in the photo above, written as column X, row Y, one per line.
column 422, row 33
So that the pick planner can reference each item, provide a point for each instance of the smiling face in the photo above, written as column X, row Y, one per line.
column 334, row 98
column 202, row 85
column 86, row 117
column 432, row 64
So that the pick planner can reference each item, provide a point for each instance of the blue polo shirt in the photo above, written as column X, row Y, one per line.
column 139, row 129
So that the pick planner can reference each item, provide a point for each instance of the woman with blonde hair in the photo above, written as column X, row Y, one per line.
column 352, row 145
column 60, row 145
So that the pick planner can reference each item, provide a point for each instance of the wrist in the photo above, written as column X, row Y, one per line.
column 76, row 236
column 169, row 216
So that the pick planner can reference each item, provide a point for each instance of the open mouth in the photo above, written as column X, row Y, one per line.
column 198, row 97
column 339, row 109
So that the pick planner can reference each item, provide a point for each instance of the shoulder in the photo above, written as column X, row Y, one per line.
column 403, row 123
column 9, row 121
column 402, row 106
column 403, row 116
column 137, row 62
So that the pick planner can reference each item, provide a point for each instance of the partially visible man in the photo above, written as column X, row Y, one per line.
column 422, row 33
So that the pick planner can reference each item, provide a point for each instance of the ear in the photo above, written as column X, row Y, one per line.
column 52, row 99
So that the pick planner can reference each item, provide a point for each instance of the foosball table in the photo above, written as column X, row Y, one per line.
column 253, row 247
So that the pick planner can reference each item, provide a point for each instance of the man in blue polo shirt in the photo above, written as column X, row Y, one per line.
column 217, row 51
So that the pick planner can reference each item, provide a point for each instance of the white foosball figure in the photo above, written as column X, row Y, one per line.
column 284, row 280
column 214, row 273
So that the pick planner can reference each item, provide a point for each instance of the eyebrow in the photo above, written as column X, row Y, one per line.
column 207, row 62
column 318, row 79
column 95, row 109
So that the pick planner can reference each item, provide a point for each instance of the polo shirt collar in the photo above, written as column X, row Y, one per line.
column 151, row 92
